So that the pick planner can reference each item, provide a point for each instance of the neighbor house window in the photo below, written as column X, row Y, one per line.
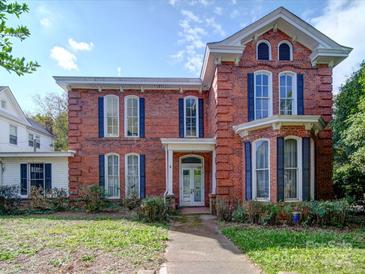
column 285, row 51
column 30, row 140
column 13, row 135
column 263, row 94
column 261, row 170
column 38, row 141
column 3, row 104
column 131, row 114
column 132, row 175
column 111, row 116
column 292, row 164
column 191, row 116
column 288, row 93
column 112, row 176
column 263, row 50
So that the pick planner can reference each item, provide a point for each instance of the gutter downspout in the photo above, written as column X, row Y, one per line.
column 2, row 168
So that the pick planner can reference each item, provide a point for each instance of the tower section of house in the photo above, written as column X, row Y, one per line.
column 254, row 126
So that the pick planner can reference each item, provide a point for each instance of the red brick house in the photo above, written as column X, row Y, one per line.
column 253, row 126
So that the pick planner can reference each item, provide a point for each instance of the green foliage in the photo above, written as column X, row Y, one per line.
column 93, row 198
column 349, row 137
column 132, row 202
column 8, row 33
column 153, row 209
column 58, row 199
column 278, row 250
column 225, row 209
column 9, row 199
column 239, row 215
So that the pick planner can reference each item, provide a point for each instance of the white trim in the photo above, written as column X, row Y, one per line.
column 105, row 116
column 181, row 167
column 254, row 186
column 126, row 115
column 257, row 52
column 126, row 173
column 50, row 154
column 312, row 169
column 294, row 85
column 214, row 171
column 107, row 174
column 269, row 74
column 186, row 144
column 170, row 171
column 197, row 116
column 299, row 168
column 290, row 48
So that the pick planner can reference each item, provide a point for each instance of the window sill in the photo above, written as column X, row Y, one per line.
column 262, row 200
column 295, row 200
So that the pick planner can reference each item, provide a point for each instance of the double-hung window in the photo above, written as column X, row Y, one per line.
column 13, row 135
column 261, row 170
column 263, row 94
column 132, row 175
column 112, row 185
column 38, row 141
column 37, row 178
column 131, row 114
column 288, row 93
column 30, row 139
column 111, row 116
column 191, row 116
column 292, row 168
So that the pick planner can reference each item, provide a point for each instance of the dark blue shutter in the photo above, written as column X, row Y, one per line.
column 306, row 168
column 251, row 96
column 201, row 117
column 102, row 171
column 248, row 171
column 181, row 118
column 101, row 116
column 284, row 52
column 23, row 179
column 300, row 94
column 141, row 117
column 142, row 176
column 48, row 177
column 280, row 168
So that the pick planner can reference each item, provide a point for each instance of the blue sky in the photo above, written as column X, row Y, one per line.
column 155, row 38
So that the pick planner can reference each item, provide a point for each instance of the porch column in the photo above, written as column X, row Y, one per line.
column 170, row 160
column 214, row 182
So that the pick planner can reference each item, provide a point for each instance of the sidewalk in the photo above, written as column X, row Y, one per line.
column 196, row 246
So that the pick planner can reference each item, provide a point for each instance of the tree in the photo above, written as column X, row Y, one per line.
column 7, row 33
column 349, row 137
column 53, row 112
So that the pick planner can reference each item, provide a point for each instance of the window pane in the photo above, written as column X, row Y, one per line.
column 112, row 184
column 262, row 100
column 262, row 183
column 112, row 115
column 132, row 176
column 262, row 154
column 263, row 51
column 191, row 117
column 291, row 168
column 286, row 94
column 284, row 52
column 132, row 116
column 37, row 175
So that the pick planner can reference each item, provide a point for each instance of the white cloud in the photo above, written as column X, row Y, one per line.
column 215, row 26
column 64, row 58
column 45, row 22
column 80, row 46
column 172, row 2
column 344, row 21
column 190, row 15
column 234, row 13
column 119, row 70
column 218, row 10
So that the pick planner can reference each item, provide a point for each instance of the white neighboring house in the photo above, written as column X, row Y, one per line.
column 27, row 156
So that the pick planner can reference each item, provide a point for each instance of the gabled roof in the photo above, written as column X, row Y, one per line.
column 21, row 115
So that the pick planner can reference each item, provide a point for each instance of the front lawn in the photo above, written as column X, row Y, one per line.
column 78, row 242
column 302, row 250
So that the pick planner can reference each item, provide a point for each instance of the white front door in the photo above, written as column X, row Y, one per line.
column 191, row 186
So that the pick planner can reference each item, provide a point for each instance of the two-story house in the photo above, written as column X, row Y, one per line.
column 27, row 157
column 254, row 126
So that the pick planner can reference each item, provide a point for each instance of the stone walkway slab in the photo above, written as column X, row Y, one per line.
column 196, row 246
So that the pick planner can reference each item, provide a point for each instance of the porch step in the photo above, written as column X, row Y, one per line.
column 194, row 210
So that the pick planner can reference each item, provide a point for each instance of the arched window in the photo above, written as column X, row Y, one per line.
column 292, row 168
column 288, row 93
column 112, row 175
column 263, row 50
column 111, row 116
column 261, row 166
column 132, row 175
column 285, row 51
column 263, row 94
column 191, row 116
column 131, row 116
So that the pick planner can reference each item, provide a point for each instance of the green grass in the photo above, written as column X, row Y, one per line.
column 54, row 242
column 302, row 251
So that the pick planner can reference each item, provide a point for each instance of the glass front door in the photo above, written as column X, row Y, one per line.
column 192, row 186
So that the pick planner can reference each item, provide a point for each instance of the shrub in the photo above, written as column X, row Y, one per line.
column 38, row 200
column 92, row 198
column 153, row 209
column 9, row 199
column 328, row 212
column 239, row 215
column 132, row 202
column 225, row 209
column 58, row 199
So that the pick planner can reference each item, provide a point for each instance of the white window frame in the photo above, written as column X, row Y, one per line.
column 126, row 173
column 29, row 133
column 290, row 47
column 16, row 134
column 299, row 169
column 107, row 174
column 257, row 52
column 126, row 115
column 106, row 118
column 254, row 186
column 269, row 74
column 197, row 116
column 37, row 139
column 294, row 84
column 3, row 104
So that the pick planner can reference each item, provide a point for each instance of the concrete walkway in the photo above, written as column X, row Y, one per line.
column 196, row 246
